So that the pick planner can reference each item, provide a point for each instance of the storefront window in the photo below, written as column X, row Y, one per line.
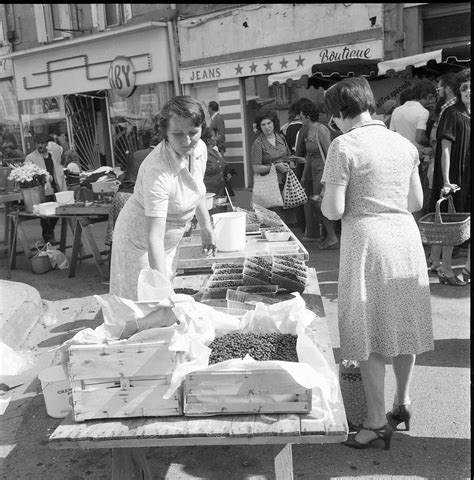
column 134, row 119
column 10, row 136
column 43, row 115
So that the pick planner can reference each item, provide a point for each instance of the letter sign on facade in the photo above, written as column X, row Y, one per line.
column 122, row 76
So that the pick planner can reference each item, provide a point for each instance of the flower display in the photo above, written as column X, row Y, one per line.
column 29, row 175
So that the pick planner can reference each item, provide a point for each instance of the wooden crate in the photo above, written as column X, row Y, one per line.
column 128, row 380
column 269, row 390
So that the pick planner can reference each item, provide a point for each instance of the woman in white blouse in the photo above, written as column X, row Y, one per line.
column 169, row 191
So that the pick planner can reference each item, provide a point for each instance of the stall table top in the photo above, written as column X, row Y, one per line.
column 276, row 429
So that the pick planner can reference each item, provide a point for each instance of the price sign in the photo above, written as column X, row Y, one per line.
column 122, row 76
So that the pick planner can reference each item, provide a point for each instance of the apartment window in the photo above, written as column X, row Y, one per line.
column 113, row 14
column 53, row 21
column 108, row 15
column 446, row 24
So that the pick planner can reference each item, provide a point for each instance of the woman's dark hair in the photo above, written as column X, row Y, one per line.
column 181, row 106
column 270, row 115
column 462, row 77
column 207, row 134
column 350, row 97
column 311, row 111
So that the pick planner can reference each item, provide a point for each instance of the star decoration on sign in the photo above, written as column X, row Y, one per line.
column 284, row 63
column 299, row 61
column 238, row 69
column 268, row 65
column 253, row 67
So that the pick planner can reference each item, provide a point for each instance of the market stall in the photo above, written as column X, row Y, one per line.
column 162, row 386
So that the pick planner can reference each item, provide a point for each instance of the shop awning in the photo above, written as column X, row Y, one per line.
column 324, row 75
column 429, row 63
column 300, row 75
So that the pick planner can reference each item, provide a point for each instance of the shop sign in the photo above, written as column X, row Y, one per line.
column 122, row 76
column 50, row 104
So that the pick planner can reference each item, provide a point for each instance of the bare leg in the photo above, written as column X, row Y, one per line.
column 373, row 380
column 446, row 266
column 435, row 256
column 403, row 369
column 331, row 232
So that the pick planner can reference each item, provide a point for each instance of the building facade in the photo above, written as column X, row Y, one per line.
column 97, row 75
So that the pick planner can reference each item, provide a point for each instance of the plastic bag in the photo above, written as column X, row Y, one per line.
column 57, row 258
column 13, row 363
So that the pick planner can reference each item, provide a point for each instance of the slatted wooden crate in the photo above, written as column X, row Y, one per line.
column 128, row 380
column 269, row 390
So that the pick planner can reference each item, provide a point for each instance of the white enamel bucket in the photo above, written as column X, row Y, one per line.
column 229, row 228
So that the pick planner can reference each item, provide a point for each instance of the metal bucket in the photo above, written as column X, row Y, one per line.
column 32, row 196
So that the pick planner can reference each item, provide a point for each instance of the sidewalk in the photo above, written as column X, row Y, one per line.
column 437, row 447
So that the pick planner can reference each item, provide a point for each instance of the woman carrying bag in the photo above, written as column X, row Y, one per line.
column 271, row 152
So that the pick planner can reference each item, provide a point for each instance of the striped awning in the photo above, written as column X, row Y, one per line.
column 324, row 75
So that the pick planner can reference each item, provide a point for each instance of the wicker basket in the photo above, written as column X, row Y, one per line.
column 353, row 394
column 445, row 229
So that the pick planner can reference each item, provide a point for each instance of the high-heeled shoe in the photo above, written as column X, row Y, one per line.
column 466, row 275
column 383, row 433
column 454, row 281
column 400, row 414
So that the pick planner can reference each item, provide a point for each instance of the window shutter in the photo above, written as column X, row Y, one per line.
column 127, row 12
column 40, row 20
column 98, row 16
column 66, row 18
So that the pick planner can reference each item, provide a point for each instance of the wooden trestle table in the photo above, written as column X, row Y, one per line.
column 128, row 438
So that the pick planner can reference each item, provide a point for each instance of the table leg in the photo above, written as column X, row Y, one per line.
column 62, row 240
column 283, row 461
column 12, row 245
column 130, row 464
column 99, row 261
column 76, row 246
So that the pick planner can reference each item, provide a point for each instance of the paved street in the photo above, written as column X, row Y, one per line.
column 437, row 447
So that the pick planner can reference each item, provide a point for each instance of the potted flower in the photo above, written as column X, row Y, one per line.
column 31, row 179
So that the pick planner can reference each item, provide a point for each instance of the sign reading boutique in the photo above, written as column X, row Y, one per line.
column 371, row 49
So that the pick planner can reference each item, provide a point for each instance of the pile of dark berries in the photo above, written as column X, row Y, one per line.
column 261, row 347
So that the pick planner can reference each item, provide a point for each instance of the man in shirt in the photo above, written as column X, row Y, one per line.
column 51, row 162
column 410, row 120
column 217, row 122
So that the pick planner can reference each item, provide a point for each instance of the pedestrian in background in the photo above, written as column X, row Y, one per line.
column 50, row 161
column 217, row 122
column 218, row 173
column 372, row 183
column 452, row 169
column 313, row 148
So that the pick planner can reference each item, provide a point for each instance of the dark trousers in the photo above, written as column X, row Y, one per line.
column 48, row 224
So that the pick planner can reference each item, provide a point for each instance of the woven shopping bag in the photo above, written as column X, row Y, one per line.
column 266, row 191
column 353, row 394
column 293, row 192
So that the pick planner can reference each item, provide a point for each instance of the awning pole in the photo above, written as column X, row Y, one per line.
column 110, row 128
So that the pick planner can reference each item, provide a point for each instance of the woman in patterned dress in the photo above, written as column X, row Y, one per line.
column 372, row 184
column 168, row 191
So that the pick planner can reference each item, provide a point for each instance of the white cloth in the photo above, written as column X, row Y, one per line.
column 408, row 118
column 165, row 188
column 384, row 290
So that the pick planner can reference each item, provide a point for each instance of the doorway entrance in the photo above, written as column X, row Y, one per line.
column 88, row 128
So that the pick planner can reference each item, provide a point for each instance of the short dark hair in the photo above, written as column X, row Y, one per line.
column 270, row 115
column 311, row 111
column 461, row 77
column 406, row 95
column 214, row 106
column 423, row 89
column 181, row 106
column 448, row 80
column 207, row 134
column 350, row 97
